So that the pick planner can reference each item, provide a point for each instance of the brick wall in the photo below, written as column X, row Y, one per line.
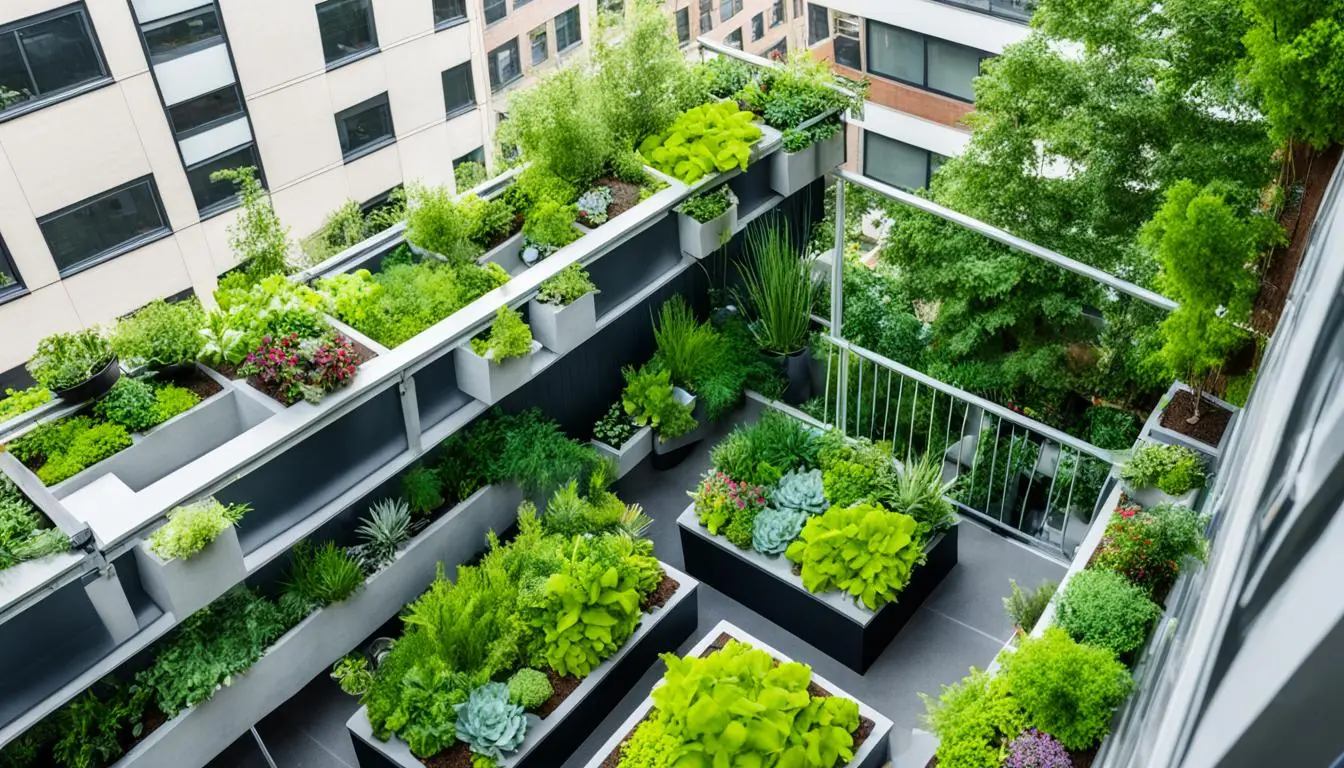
column 899, row 96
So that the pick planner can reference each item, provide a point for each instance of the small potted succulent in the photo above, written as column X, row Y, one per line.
column 194, row 557
column 706, row 221
column 618, row 437
column 76, row 367
column 1158, row 473
column 564, row 314
column 593, row 206
column 495, row 364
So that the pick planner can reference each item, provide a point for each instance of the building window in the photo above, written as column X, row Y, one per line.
column 104, row 226
column 365, row 127
column 11, row 283
column 683, row 25
column 848, row 29
column 495, row 10
column 44, row 56
column 757, row 27
column 729, row 8
column 818, row 24
column 734, row 39
column 476, row 155
column 216, row 195
column 448, row 12
column 927, row 62
column 459, row 92
column 779, row 50
column 347, row 29
column 1018, row 10
column 540, row 45
column 504, row 67
column 797, row 8
column 568, row 33
column 206, row 111
column 182, row 34
column 706, row 16
column 777, row 13
column 897, row 163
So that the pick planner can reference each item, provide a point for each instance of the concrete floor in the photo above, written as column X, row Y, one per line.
column 961, row 625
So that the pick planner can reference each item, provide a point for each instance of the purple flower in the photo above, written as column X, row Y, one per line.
column 1033, row 749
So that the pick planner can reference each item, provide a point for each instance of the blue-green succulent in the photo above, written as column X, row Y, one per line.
column 488, row 723
column 801, row 491
column 775, row 528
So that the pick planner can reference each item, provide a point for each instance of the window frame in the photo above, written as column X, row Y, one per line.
column 485, row 12
column 496, row 87
column 812, row 33
column 780, row 49
column 727, row 39
column 578, row 24
column 7, row 266
column 380, row 100
column 992, row 8
column 68, row 92
column 777, row 14
column 107, row 254
column 180, row 135
column 706, row 15
column 467, row 106
column 679, row 15
column 542, row 34
column 449, row 21
column 929, row 159
column 220, row 206
column 189, row 48
column 354, row 56
column 924, row 86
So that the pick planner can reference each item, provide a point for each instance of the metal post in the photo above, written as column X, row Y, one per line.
column 838, row 263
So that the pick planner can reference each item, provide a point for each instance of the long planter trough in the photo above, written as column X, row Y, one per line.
column 830, row 622
column 551, row 740
column 1153, row 429
column 872, row 753
column 628, row 456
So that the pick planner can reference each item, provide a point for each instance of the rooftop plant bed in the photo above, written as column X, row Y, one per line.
column 350, row 225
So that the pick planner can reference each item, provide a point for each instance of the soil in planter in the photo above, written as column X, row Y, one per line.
column 624, row 196
column 456, row 756
column 1081, row 759
column 561, row 687
column 362, row 355
column 661, row 594
column 1213, row 419
column 194, row 380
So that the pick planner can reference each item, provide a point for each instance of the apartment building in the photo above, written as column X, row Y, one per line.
column 920, row 56
column 762, row 27
column 113, row 115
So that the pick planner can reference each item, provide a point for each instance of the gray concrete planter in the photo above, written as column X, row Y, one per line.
column 791, row 171
column 1154, row 430
column 508, row 254
column 831, row 152
column 700, row 239
column 872, row 753
column 550, row 741
column 661, row 446
column 197, row 735
column 185, row 586
column 628, row 456
column 1151, row 497
column 487, row 380
column 562, row 328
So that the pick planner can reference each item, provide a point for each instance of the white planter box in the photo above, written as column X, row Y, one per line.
column 699, row 240
column 487, row 380
column 628, row 456
column 508, row 254
column 791, row 171
column 831, row 152
column 183, row 587
column 561, row 329
column 1151, row 497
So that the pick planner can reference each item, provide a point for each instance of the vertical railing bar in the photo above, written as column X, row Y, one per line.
column 947, row 432
column 994, row 463
column 975, row 454
column 1068, row 504
column 914, row 408
column 933, row 409
column 858, row 408
column 830, row 369
column 896, row 425
column 1050, row 494
column 1031, row 477
column 872, row 420
column 886, row 412
column 1007, row 472
column 842, row 392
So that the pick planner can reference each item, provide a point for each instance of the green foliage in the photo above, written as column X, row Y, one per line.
column 130, row 403
column 973, row 721
column 1174, row 469
column 550, row 226
column 192, row 527
column 725, row 76
column 1024, row 607
column 64, row 360
column 920, row 492
column 1066, row 689
column 94, row 725
column 458, row 229
column 1237, row 393
column 17, row 402
column 61, row 449
column 650, row 746
column 352, row 673
column 529, row 688
column 568, row 286
column 592, row 206
column 800, row 90
column 273, row 306
column 561, row 126
column 779, row 290
column 728, row 507
column 800, row 491
column 708, row 206
column 880, row 317
column 257, row 237
column 615, row 428
column 1100, row 607
column 1112, row 429
column 469, row 175
column 707, row 139
column 1147, row 546
column 650, row 402
column 775, row 528
column 423, row 489
column 350, row 225
column 382, row 533
column 1295, row 64
column 160, row 334
column 761, row 452
column 570, row 514
column 863, row 550
column 324, row 574
column 25, row 533
column 687, row 348
column 643, row 79
column 738, row 706
column 489, row 723
column 509, row 338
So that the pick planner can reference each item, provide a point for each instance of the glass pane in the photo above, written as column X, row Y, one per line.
column 734, row 39
column 346, row 27
column 895, row 162
column 777, row 13
column 847, row 52
column 567, row 30
column 101, row 225
column 684, row 25
column 818, row 24
column 539, row 45
column 757, row 26
column 951, row 68
column 725, row 10
column 504, row 64
column 495, row 10
column 210, row 193
column 9, row 276
column 213, row 106
column 476, row 155
column 364, row 125
column 15, row 87
column 168, row 38
column 458, row 90
column 895, row 53
column 449, row 10
column 60, row 53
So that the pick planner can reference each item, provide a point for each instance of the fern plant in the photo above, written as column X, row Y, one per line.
column 323, row 575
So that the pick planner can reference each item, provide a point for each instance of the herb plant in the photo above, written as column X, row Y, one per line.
column 550, row 226
column 1033, row 749
column 762, row 452
column 728, row 507
column 1147, row 546
column 129, row 403
column 25, row 533
column 509, row 338
column 64, row 360
column 707, row 139
column 592, row 206
column 1024, row 607
column 16, row 403
column 973, row 720
column 920, row 492
column 568, row 286
column 323, row 575
column 708, row 206
column 382, row 533
column 650, row 402
column 423, row 489
column 257, row 236
column 1173, row 469
column 1100, row 607
column 615, row 428
column 352, row 673
column 61, row 449
column 778, row 288
column 863, row 550
column 160, row 334
column 192, row 527
column 1067, row 689
column 529, row 688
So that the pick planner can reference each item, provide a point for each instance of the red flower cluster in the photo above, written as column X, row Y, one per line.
column 1127, row 548
column 302, row 368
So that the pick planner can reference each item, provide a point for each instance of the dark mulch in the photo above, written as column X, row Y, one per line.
column 624, row 196
column 227, row 371
column 561, row 687
column 194, row 380
column 1212, row 422
column 661, row 594
column 362, row 353
column 456, row 756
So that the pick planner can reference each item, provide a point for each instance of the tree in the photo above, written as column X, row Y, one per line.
column 1295, row 64
column 257, row 237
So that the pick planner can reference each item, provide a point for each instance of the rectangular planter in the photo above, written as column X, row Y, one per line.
column 508, row 254
column 196, row 736
column 831, row 153
column 628, row 456
column 1151, row 497
column 489, row 381
column 1154, row 430
column 185, row 586
column 791, row 171
column 550, row 741
column 699, row 240
column 561, row 329
column 872, row 753
column 661, row 446
column 831, row 622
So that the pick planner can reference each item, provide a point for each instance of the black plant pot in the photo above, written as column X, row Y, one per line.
column 93, row 387
column 797, row 369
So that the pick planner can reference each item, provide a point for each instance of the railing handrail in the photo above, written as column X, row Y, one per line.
column 760, row 61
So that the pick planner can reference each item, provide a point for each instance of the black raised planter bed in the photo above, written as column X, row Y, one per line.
column 830, row 622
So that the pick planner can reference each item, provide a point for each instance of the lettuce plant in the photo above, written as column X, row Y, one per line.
column 192, row 527
column 64, row 360
column 489, row 723
column 863, row 550
column 509, row 338
column 529, row 688
column 707, row 139
column 775, row 529
column 1173, row 469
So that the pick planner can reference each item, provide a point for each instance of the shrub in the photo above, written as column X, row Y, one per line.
column 469, row 175
column 643, row 79
column 1024, row 608
column 709, row 206
column 382, row 533
column 1067, row 689
column 550, row 226
column 16, row 403
column 191, row 528
column 303, row 368
column 615, row 428
column 561, row 128
column 569, row 514
column 920, row 492
column 723, row 504
column 1111, row 428
column 438, row 223
column 93, row 726
column 509, row 338
column 529, row 688
column 423, row 489
column 863, row 550
column 488, row 723
column 1100, row 607
column 592, row 206
column 762, row 452
column 130, row 403
column 775, row 528
column 707, row 139
column 257, row 236
column 1033, row 749
column 169, row 401
column 24, row 532
column 800, row 90
column 161, row 334
column 323, row 575
column 650, row 402
column 972, row 720
column 1146, row 547
column 568, row 286
column 725, row 76
column 800, row 491
column 1174, row 469
column 64, row 360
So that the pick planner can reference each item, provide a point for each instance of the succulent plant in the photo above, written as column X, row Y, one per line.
column 775, row 529
column 529, row 688
column 488, row 723
column 801, row 491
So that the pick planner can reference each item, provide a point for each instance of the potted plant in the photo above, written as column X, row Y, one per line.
column 706, row 221
column 194, row 557
column 617, row 437
column 778, row 294
column 76, row 367
column 496, row 364
column 161, row 337
column 564, row 314
column 651, row 400
column 794, row 166
column 1159, row 473
column 830, row 142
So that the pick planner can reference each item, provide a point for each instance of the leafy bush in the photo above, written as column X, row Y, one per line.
column 24, row 533
column 160, row 334
column 130, row 403
column 1147, row 547
column 775, row 528
column 192, row 527
column 708, row 206
column 323, row 575
column 853, row 471
column 16, row 403
column 568, row 286
column 615, row 428
column 529, row 688
column 469, row 175
column 800, row 491
column 550, row 226
column 643, row 79
column 561, row 128
column 1100, row 607
column 973, row 720
column 93, row 726
column 725, row 76
column 569, row 513
column 488, row 723
column 920, row 492
column 382, row 533
column 707, row 139
column 1033, row 749
column 592, row 206
column 1174, row 469
column 170, row 400
column 1111, row 428
column 509, row 338
column 723, row 504
column 64, row 360
column 863, row 550
column 762, row 452
column 650, row 402
column 352, row 673
column 257, row 236
column 303, row 368
column 423, row 489
column 1024, row 608
column 437, row 222
column 61, row 449
column 790, row 95
column 1067, row 689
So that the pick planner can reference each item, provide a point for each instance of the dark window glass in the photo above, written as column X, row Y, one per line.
column 734, row 39
column 757, row 27
column 211, row 194
column 818, row 24
column 612, row 6
column 683, row 25
column 476, row 155
column 540, row 44
column 927, row 62
column 346, row 27
column 47, row 54
column 459, row 92
column 567, row 31
column 178, row 35
column 446, row 11
column 952, row 68
column 777, row 13
column 10, row 281
column 204, row 110
column 495, row 10
column 706, row 16
column 100, row 226
column 779, row 50
column 520, row 3
column 797, row 8
column 364, row 127
column 504, row 66
column 895, row 53
column 895, row 162
column 1018, row 10
column 725, row 10
column 847, row 52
